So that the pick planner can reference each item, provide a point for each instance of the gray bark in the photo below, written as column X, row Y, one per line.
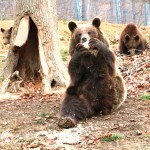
column 85, row 6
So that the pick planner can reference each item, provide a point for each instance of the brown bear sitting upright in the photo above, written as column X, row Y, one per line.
column 131, row 40
column 83, row 32
column 96, row 84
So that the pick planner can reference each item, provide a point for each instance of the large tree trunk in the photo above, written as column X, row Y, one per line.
column 35, row 45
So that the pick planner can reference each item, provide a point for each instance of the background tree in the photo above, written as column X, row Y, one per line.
column 35, row 46
column 85, row 6
column 106, row 9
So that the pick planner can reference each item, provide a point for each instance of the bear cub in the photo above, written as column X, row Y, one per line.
column 6, row 34
column 96, row 84
column 131, row 40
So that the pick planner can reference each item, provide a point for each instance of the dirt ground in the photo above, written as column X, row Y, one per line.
column 30, row 122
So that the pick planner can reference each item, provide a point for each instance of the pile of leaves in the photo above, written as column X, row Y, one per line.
column 136, row 72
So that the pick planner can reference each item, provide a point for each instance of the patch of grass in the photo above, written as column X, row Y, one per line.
column 64, row 53
column 113, row 137
column 45, row 114
column 145, row 96
column 1, row 18
column 147, row 35
column 40, row 121
column 2, row 56
column 1, row 78
column 146, row 135
column 107, row 34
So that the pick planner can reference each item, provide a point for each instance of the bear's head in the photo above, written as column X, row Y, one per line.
column 132, row 42
column 132, row 39
column 6, row 34
column 84, row 32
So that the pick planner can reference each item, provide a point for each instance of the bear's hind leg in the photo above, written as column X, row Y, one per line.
column 73, row 109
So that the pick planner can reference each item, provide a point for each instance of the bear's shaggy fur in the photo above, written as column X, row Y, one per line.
column 96, row 84
column 84, row 32
column 131, row 40
column 6, row 34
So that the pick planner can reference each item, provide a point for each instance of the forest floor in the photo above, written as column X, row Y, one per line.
column 29, row 122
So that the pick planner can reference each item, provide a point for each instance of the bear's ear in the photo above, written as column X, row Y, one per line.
column 2, row 30
column 127, row 37
column 10, row 29
column 136, row 37
column 96, row 22
column 72, row 25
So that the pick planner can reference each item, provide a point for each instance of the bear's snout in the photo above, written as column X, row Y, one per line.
column 84, row 39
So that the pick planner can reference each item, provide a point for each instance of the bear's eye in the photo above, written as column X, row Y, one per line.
column 79, row 34
column 89, row 33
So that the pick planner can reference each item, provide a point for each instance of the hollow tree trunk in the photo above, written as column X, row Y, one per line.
column 35, row 45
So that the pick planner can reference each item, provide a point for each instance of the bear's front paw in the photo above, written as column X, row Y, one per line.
column 106, row 111
column 80, row 48
column 66, row 122
column 94, row 44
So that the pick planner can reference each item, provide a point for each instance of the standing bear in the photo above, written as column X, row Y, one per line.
column 131, row 40
column 96, row 83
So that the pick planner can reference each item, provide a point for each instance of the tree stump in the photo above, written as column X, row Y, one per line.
column 34, row 45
